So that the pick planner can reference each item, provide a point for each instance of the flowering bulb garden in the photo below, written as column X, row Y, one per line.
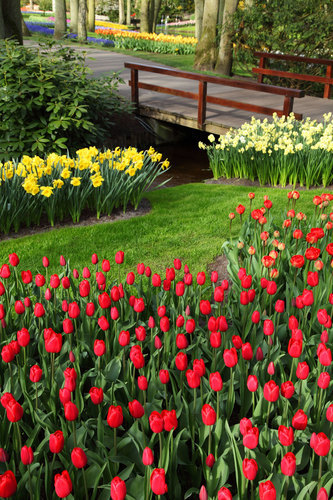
column 59, row 186
column 284, row 151
column 174, row 385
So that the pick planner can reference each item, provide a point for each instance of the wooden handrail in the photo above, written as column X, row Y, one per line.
column 326, row 80
column 203, row 98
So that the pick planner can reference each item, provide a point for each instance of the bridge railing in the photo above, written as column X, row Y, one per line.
column 202, row 96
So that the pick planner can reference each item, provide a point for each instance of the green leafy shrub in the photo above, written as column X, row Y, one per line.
column 49, row 102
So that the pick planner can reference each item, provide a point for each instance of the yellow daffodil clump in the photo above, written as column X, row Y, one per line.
column 279, row 151
column 85, row 180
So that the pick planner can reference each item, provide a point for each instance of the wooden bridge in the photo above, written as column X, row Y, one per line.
column 214, row 104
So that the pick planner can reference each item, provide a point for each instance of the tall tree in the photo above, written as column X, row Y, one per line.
column 224, row 56
column 91, row 15
column 128, row 12
column 121, row 4
column 60, row 23
column 144, row 16
column 205, row 54
column 11, row 20
column 74, row 8
column 198, row 13
column 82, row 21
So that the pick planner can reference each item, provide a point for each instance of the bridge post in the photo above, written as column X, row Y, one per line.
column 288, row 105
column 327, row 88
column 202, row 101
column 134, row 87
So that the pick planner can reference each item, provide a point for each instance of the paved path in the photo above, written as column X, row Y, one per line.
column 104, row 61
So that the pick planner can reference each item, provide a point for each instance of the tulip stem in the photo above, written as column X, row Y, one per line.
column 74, row 432
column 11, row 378
column 19, row 437
column 319, row 472
column 217, row 405
column 115, row 440
column 286, row 486
column 210, row 439
column 268, row 412
column 300, row 394
column 36, row 399
column 85, row 484
column 161, row 449
column 319, row 405
column 30, row 485
column 201, row 393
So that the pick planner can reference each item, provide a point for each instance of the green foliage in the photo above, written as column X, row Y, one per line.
column 45, row 5
column 292, row 27
column 49, row 103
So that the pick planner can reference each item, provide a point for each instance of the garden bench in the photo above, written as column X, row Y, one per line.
column 203, row 98
column 263, row 71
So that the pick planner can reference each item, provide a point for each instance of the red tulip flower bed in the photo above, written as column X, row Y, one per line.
column 175, row 385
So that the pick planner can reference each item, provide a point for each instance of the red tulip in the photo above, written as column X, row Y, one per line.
column 164, row 376
column 27, row 455
column 201, row 278
column 119, row 257
column 181, row 362
column 63, row 484
column 271, row 391
column 320, row 443
column 252, row 383
column 14, row 410
column 215, row 381
column 324, row 380
column 56, row 442
column 157, row 482
column 115, row 416
column 268, row 327
column 142, row 383
column 156, row 422
column 224, row 494
column 286, row 435
column 210, row 460
column 79, row 458
column 169, row 419
column 302, row 371
column 71, row 411
column 299, row 420
column 230, row 357
column 244, row 425
column 288, row 464
column 147, row 456
column 124, row 338
column 193, row 378
column 208, row 415
column 35, row 373
column 136, row 409
column 251, row 438
column 99, row 347
column 287, row 389
column 267, row 491
column 118, row 489
column 8, row 484
column 250, row 468
column 322, row 494
column 96, row 395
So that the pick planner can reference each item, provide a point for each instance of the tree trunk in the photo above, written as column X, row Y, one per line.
column 198, row 13
column 144, row 16
column 11, row 20
column 128, row 12
column 157, row 6
column 224, row 57
column 74, row 7
column 60, row 24
column 91, row 15
column 221, row 10
column 205, row 54
column 53, row 5
column 82, row 21
column 121, row 11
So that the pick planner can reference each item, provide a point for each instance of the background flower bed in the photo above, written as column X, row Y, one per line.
column 227, row 442
column 59, row 185
column 284, row 151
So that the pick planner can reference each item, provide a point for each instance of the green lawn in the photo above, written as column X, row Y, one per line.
column 189, row 222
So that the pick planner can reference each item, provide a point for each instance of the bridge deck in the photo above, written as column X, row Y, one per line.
column 184, row 111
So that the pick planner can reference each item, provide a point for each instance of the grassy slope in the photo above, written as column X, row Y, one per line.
column 190, row 222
